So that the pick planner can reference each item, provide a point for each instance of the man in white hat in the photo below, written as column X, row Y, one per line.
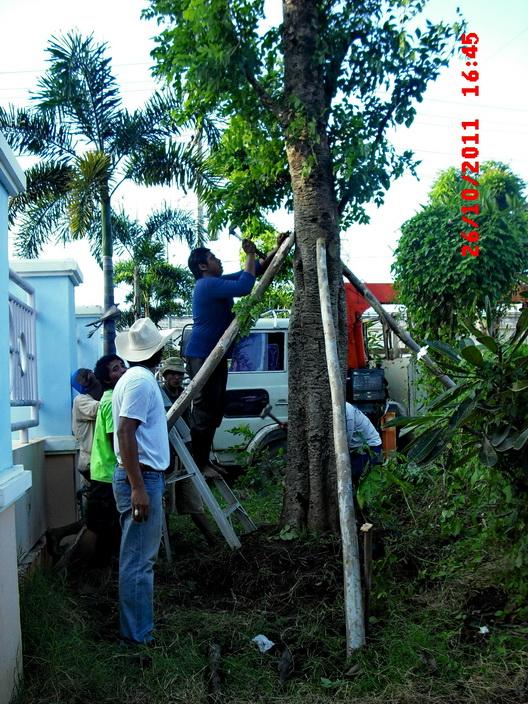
column 142, row 450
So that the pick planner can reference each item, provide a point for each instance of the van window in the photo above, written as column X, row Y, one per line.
column 259, row 352
column 245, row 403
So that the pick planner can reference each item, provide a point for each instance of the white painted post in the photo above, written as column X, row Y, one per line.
column 354, row 618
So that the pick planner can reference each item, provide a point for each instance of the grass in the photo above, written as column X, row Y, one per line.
column 422, row 648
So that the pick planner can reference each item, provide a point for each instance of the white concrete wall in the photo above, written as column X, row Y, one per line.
column 14, row 480
column 10, row 636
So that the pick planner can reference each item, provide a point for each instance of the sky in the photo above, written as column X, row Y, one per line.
column 435, row 136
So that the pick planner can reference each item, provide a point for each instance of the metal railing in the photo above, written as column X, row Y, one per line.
column 23, row 355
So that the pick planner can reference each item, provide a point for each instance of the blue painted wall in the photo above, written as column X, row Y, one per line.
column 89, row 349
column 56, row 351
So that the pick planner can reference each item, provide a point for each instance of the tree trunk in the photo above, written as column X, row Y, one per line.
column 137, row 293
column 108, row 273
column 310, row 498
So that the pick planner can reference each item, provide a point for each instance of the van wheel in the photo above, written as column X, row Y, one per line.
column 271, row 457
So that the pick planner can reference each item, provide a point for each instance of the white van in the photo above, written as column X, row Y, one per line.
column 258, row 378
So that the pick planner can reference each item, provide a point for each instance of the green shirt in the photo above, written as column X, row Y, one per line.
column 103, row 460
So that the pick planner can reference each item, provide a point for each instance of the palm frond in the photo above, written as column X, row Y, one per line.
column 129, row 134
column 43, row 221
column 163, row 164
column 45, row 182
column 160, row 115
column 170, row 224
column 30, row 131
column 91, row 177
column 79, row 84
column 125, row 231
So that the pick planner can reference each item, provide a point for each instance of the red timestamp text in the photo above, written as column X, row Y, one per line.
column 470, row 166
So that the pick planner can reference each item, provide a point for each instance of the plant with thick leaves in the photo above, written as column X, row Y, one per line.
column 489, row 406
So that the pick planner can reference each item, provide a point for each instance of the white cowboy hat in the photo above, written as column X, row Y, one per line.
column 142, row 340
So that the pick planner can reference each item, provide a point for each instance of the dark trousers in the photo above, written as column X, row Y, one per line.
column 102, row 518
column 359, row 461
column 207, row 409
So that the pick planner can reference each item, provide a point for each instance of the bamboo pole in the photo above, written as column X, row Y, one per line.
column 355, row 626
column 402, row 334
column 227, row 339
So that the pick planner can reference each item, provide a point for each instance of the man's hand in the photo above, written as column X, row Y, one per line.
column 249, row 247
column 140, row 504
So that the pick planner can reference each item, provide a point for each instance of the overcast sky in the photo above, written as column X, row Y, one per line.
column 501, row 107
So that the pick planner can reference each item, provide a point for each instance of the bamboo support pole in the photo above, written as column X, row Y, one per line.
column 354, row 620
column 402, row 334
column 227, row 339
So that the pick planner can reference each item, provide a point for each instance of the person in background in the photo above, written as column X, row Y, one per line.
column 84, row 413
column 141, row 443
column 364, row 441
column 188, row 500
column 212, row 313
column 101, row 512
column 172, row 372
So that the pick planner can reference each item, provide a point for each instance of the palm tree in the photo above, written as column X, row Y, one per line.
column 89, row 144
column 158, row 288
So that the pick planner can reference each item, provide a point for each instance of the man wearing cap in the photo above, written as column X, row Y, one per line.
column 142, row 450
column 188, row 500
column 172, row 372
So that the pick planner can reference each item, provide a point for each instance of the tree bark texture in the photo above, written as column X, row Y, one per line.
column 310, row 499
column 108, row 273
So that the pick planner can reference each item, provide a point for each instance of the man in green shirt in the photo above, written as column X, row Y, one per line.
column 101, row 513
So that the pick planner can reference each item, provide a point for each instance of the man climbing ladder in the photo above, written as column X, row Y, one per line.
column 212, row 313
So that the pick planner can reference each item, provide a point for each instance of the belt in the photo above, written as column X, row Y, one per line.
column 144, row 468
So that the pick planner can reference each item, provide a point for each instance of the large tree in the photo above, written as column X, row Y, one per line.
column 88, row 145
column 443, row 289
column 305, row 108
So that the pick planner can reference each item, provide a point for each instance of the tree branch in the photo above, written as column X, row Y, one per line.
column 265, row 98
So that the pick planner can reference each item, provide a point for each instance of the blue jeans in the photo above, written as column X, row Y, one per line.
column 139, row 549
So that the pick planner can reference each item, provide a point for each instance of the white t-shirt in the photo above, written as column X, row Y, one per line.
column 137, row 395
column 360, row 431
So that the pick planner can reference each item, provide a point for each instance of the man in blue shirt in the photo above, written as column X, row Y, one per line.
column 211, row 307
column 364, row 441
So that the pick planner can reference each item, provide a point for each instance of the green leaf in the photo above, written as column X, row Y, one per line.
column 464, row 410
column 522, row 324
column 472, row 354
column 520, row 385
column 487, row 454
column 488, row 342
column 498, row 437
column 521, row 439
column 447, row 396
column 444, row 349
column 410, row 421
column 426, row 443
